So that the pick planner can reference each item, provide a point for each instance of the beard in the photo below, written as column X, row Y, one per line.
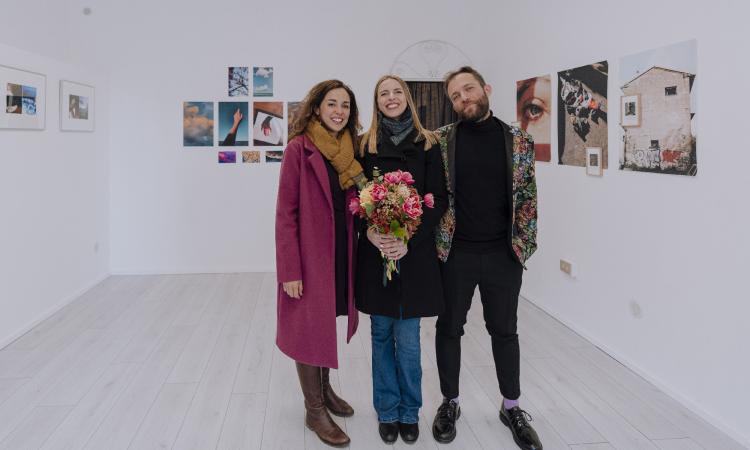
column 481, row 110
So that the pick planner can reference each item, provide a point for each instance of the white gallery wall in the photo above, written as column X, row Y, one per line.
column 176, row 209
column 54, row 192
column 675, row 246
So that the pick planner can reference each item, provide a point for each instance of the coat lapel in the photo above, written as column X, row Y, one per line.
column 509, row 151
column 315, row 159
column 452, row 156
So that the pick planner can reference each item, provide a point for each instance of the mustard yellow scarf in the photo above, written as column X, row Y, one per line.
column 340, row 152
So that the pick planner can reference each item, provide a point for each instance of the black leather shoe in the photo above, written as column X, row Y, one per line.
column 444, row 425
column 388, row 432
column 409, row 432
column 517, row 420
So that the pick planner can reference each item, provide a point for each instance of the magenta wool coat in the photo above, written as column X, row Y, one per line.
column 305, row 250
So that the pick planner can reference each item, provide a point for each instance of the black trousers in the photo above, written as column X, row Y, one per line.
column 498, row 275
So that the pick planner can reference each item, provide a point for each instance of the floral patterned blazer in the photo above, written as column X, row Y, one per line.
column 524, row 201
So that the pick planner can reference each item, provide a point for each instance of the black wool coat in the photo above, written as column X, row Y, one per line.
column 417, row 291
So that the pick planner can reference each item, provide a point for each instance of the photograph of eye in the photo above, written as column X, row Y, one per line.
column 533, row 99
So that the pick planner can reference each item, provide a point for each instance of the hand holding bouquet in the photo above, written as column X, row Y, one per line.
column 392, row 206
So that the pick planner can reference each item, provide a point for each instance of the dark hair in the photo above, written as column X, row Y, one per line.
column 465, row 69
column 314, row 99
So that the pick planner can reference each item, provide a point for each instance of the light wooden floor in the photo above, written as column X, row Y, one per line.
column 188, row 361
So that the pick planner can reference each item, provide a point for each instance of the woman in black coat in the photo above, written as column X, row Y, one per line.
column 397, row 141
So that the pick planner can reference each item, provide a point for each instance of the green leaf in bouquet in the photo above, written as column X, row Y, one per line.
column 397, row 230
column 369, row 208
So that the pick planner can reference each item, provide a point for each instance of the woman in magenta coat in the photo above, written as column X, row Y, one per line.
column 315, row 247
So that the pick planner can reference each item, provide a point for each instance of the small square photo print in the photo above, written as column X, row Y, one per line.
column 262, row 81
column 630, row 110
column 76, row 106
column 251, row 157
column 594, row 161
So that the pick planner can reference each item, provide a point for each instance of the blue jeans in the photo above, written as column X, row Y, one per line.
column 396, row 369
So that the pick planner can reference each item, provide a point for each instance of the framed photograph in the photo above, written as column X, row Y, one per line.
column 582, row 113
column 660, row 115
column 534, row 113
column 25, row 99
column 233, row 129
column 274, row 156
column 239, row 80
column 268, row 124
column 197, row 124
column 76, row 106
column 292, row 109
column 594, row 164
column 262, row 81
column 227, row 157
column 630, row 110
column 251, row 157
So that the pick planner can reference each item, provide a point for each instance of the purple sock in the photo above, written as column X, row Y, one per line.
column 508, row 404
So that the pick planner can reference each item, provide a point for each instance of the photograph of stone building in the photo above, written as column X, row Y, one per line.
column 665, row 139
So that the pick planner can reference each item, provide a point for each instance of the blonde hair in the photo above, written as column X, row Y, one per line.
column 370, row 138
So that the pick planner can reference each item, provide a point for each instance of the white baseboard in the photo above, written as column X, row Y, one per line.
column 648, row 376
column 5, row 341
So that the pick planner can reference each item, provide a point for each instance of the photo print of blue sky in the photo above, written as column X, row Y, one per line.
column 263, row 81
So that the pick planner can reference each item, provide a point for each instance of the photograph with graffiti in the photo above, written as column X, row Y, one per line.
column 582, row 113
column 665, row 139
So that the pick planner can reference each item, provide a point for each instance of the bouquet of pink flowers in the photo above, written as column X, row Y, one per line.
column 392, row 206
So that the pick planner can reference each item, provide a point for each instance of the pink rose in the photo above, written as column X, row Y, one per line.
column 429, row 200
column 412, row 208
column 354, row 206
column 407, row 178
column 379, row 192
column 392, row 177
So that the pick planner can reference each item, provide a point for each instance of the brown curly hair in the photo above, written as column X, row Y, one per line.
column 314, row 99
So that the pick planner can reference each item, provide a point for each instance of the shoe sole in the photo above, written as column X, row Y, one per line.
column 452, row 437
column 515, row 439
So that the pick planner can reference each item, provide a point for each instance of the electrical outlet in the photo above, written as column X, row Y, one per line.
column 566, row 266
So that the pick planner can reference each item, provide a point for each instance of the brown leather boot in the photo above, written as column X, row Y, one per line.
column 317, row 418
column 335, row 404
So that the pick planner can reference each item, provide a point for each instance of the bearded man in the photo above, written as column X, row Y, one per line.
column 484, row 239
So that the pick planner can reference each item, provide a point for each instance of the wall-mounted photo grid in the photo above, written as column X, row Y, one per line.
column 24, row 99
column 656, row 106
column 232, row 122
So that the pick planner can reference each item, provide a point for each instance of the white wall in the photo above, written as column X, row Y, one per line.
column 675, row 245
column 175, row 209
column 54, row 196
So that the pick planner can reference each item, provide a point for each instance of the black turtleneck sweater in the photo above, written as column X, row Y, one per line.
column 482, row 210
